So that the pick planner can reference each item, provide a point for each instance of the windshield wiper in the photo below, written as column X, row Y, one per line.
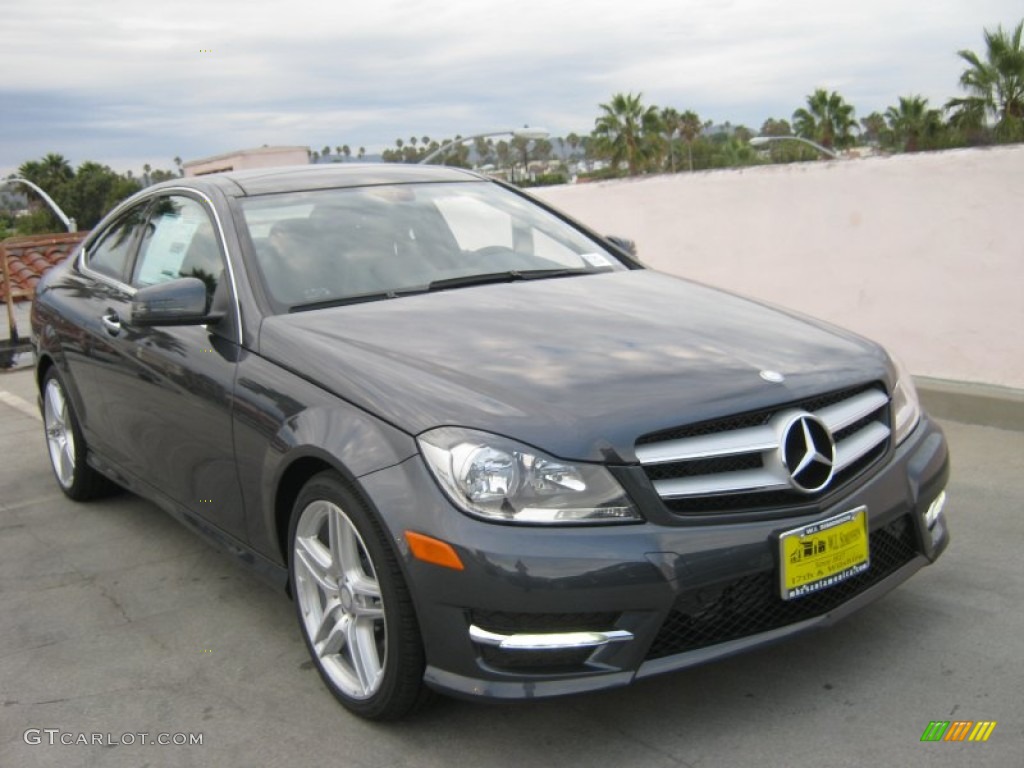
column 508, row 276
column 359, row 298
column 462, row 281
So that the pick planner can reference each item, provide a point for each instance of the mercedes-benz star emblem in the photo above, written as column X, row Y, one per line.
column 808, row 453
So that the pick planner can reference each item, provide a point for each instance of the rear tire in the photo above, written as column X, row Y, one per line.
column 66, row 446
column 353, row 605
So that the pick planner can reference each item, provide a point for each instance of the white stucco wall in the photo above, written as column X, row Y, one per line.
column 923, row 253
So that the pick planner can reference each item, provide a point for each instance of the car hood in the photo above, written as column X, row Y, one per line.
column 579, row 367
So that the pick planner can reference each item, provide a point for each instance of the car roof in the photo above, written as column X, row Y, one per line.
column 264, row 181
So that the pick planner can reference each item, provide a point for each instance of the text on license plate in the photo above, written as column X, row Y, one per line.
column 819, row 555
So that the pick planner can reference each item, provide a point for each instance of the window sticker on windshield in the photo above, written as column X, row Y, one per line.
column 596, row 259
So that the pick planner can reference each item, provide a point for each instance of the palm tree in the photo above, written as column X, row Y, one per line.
column 629, row 132
column 734, row 152
column 670, row 123
column 786, row 151
column 504, row 153
column 590, row 153
column 690, row 127
column 912, row 121
column 50, row 173
column 56, row 165
column 995, row 85
column 573, row 140
column 874, row 130
column 520, row 146
column 541, row 150
column 54, row 175
column 773, row 127
column 482, row 150
column 828, row 120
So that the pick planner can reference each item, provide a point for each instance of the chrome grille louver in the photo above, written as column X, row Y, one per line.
column 718, row 466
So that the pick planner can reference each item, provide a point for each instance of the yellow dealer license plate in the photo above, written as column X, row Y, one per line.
column 817, row 556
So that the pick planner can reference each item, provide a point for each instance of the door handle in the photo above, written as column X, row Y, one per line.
column 111, row 322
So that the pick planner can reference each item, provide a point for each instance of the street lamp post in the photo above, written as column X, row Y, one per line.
column 519, row 133
column 760, row 141
column 68, row 222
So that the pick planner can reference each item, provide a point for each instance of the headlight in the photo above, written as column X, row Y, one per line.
column 905, row 407
column 498, row 479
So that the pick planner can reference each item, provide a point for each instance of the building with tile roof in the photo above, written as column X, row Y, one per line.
column 29, row 257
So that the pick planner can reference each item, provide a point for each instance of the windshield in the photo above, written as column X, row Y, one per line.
column 326, row 247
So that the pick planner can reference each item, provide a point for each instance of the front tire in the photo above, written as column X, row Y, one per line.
column 353, row 606
column 66, row 446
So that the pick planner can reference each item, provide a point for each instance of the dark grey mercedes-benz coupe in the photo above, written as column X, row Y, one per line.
column 486, row 450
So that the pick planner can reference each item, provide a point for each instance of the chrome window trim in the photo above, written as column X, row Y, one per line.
column 145, row 198
column 86, row 246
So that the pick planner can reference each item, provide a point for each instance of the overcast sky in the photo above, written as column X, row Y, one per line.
column 126, row 82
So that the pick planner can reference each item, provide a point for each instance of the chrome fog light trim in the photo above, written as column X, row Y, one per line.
column 548, row 641
column 931, row 516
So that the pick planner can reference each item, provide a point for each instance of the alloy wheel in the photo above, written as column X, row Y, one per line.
column 60, row 437
column 339, row 599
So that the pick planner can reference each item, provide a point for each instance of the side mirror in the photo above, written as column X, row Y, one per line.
column 623, row 244
column 176, row 302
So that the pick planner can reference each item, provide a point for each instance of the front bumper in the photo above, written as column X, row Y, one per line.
column 544, row 611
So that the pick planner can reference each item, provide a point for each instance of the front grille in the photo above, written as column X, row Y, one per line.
column 751, row 418
column 751, row 604
column 732, row 464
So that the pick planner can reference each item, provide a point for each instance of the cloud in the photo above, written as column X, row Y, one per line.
column 146, row 81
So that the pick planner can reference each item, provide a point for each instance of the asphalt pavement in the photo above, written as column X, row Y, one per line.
column 116, row 621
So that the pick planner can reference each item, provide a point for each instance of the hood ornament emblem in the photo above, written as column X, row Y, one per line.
column 808, row 452
column 772, row 376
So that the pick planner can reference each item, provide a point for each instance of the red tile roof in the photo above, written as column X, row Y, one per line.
column 30, row 257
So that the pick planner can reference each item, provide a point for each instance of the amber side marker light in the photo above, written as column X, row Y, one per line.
column 431, row 550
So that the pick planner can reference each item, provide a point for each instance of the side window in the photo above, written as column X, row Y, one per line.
column 112, row 252
column 179, row 242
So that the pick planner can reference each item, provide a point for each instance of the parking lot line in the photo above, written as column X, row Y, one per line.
column 20, row 404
